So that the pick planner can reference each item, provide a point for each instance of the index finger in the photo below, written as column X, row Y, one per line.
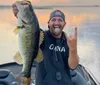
column 75, row 31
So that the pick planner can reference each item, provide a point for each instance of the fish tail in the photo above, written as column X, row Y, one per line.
column 27, row 81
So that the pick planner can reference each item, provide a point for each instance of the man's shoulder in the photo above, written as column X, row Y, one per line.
column 45, row 32
column 41, row 30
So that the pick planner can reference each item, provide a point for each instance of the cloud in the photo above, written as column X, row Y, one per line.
column 56, row 2
column 84, row 2
column 69, row 2
column 10, row 2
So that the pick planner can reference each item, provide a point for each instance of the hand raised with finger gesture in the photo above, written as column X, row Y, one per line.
column 72, row 41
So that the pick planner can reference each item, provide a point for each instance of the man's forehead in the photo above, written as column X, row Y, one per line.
column 57, row 17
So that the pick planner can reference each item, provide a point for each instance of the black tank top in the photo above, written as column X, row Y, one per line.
column 54, row 69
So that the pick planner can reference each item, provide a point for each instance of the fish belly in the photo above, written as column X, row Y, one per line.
column 28, row 47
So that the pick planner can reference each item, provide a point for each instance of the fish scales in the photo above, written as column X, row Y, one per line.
column 28, row 36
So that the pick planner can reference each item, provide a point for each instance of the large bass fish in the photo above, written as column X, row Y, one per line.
column 28, row 38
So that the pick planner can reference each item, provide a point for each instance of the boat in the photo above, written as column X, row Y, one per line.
column 80, row 76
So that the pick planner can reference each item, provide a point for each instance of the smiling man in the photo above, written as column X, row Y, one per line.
column 59, row 52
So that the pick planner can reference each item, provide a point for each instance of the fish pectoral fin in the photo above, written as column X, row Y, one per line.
column 18, row 58
column 16, row 30
column 39, row 56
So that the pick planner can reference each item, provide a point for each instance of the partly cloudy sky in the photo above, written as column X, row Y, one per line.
column 57, row 2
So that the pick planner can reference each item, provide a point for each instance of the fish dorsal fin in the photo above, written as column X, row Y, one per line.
column 41, row 39
column 39, row 56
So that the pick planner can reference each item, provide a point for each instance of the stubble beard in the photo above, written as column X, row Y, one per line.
column 55, row 31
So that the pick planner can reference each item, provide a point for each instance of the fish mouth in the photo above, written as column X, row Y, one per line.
column 24, row 12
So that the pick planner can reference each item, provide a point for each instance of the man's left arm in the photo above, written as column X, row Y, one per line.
column 73, row 59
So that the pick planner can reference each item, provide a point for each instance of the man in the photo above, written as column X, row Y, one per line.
column 59, row 52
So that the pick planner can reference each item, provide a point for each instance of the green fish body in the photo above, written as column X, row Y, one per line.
column 28, row 36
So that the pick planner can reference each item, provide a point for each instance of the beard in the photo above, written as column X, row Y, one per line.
column 56, row 31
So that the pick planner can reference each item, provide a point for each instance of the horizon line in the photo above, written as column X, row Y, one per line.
column 53, row 6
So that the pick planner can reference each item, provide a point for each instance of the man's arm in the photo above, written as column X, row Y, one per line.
column 73, row 59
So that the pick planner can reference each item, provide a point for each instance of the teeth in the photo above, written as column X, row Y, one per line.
column 56, row 26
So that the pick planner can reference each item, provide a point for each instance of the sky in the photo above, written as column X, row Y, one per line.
column 56, row 2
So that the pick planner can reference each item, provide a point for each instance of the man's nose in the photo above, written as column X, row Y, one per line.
column 57, row 22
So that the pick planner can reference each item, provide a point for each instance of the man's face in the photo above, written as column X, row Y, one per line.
column 56, row 25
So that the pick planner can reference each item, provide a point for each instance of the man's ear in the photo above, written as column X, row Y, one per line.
column 48, row 24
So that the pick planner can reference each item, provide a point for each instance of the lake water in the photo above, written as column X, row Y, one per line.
column 87, row 19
